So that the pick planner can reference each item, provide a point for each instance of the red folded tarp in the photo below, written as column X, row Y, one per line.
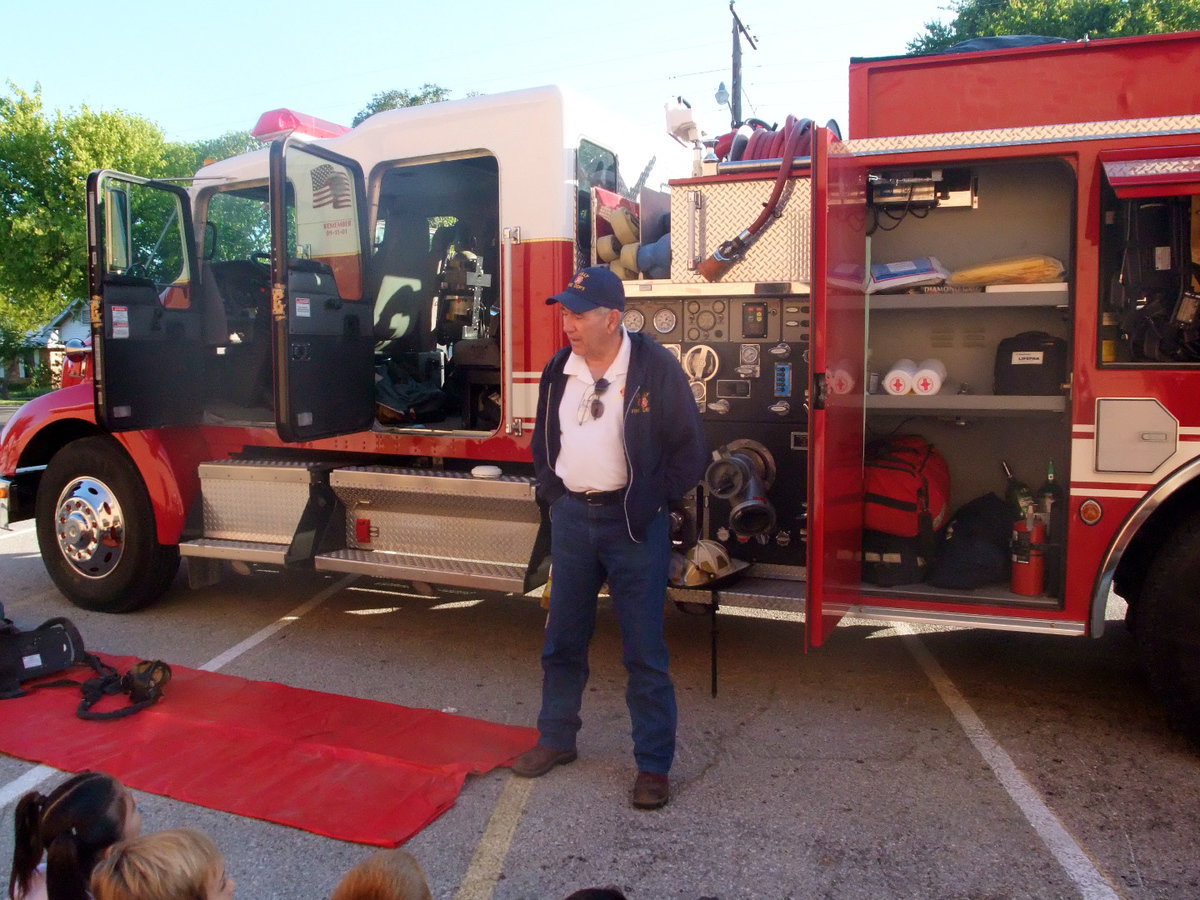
column 351, row 769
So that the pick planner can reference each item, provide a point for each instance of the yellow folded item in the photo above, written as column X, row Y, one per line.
column 1012, row 270
column 608, row 248
column 618, row 268
column 624, row 223
column 629, row 254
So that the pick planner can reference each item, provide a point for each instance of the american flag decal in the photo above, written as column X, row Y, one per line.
column 331, row 187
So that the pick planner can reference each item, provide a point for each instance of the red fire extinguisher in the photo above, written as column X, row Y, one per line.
column 1029, row 558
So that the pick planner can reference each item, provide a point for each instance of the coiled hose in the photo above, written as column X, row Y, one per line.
column 794, row 139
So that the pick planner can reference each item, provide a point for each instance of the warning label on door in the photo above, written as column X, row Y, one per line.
column 120, row 321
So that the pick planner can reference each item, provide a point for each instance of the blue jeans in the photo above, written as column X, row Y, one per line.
column 590, row 544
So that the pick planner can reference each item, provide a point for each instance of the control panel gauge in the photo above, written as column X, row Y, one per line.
column 664, row 321
column 634, row 320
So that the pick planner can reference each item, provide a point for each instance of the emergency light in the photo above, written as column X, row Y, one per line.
column 278, row 123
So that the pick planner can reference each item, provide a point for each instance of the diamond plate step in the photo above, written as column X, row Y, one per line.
column 246, row 551
column 490, row 576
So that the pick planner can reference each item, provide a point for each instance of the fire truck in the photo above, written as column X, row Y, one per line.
column 325, row 353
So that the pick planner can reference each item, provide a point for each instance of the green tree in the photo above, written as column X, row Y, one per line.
column 184, row 160
column 1071, row 19
column 44, row 162
column 426, row 93
column 12, row 342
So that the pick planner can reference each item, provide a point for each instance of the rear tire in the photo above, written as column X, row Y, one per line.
column 1168, row 626
column 96, row 529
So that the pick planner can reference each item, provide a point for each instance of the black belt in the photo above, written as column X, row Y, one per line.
column 599, row 498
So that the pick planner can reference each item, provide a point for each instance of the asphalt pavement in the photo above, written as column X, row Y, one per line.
column 893, row 762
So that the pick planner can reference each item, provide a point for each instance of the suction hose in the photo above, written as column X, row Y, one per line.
column 713, row 268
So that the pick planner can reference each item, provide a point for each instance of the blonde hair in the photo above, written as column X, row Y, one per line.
column 386, row 875
column 166, row 865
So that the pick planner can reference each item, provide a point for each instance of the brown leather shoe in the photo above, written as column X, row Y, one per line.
column 540, row 760
column 651, row 790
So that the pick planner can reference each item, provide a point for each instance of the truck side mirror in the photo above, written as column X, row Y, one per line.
column 76, row 350
column 117, row 228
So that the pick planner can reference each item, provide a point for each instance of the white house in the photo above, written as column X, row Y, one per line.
column 45, row 346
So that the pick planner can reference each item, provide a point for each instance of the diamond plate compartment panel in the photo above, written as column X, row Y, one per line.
column 262, row 511
column 727, row 208
column 407, row 516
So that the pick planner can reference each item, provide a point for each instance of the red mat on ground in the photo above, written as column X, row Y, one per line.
column 351, row 769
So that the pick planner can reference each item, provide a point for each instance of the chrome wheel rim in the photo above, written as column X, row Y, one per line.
column 90, row 528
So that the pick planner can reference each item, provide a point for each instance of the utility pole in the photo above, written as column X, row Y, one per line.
column 738, row 30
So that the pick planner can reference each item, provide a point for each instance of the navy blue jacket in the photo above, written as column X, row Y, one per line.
column 665, row 448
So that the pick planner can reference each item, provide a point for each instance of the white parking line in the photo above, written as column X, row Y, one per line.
column 35, row 776
column 223, row 659
column 488, row 862
column 27, row 782
column 1075, row 862
column 18, row 530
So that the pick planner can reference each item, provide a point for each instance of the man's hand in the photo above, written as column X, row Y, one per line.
column 683, row 527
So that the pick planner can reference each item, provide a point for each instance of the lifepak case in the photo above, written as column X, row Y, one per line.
column 1031, row 363
column 25, row 655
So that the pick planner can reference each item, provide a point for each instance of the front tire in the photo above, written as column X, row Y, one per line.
column 96, row 529
column 1168, row 626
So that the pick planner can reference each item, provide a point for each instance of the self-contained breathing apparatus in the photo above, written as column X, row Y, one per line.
column 1152, row 312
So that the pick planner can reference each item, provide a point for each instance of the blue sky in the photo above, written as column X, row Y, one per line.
column 200, row 70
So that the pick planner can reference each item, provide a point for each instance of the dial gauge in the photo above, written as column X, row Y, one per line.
column 664, row 321
column 635, row 320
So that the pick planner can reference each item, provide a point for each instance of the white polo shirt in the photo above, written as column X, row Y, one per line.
column 592, row 452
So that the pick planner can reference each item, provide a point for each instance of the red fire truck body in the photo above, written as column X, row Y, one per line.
column 337, row 365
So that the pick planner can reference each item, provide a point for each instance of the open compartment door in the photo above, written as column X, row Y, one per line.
column 322, row 339
column 147, row 336
column 836, row 388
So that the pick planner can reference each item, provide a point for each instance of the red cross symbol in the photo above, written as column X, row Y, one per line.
column 925, row 384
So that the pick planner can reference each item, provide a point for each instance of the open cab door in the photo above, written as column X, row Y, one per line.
column 322, row 339
column 837, row 387
column 147, row 336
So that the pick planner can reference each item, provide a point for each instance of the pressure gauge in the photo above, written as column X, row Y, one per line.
column 635, row 320
column 664, row 321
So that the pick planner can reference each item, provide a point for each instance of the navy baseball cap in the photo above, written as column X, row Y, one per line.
column 592, row 287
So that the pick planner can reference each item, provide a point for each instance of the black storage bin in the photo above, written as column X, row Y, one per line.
column 1032, row 362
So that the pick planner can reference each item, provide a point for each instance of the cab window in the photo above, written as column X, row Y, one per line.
column 435, row 283
column 594, row 167
column 145, row 236
column 239, row 225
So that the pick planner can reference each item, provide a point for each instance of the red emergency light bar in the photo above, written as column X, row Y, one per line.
column 281, row 122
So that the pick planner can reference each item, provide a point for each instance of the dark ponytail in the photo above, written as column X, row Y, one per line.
column 67, row 867
column 27, row 840
column 74, row 824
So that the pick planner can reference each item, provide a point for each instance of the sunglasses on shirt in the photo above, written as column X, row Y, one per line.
column 592, row 405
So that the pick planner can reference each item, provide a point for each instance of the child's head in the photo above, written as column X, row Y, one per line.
column 386, row 875
column 168, row 865
column 72, row 826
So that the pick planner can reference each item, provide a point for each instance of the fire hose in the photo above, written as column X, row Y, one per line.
column 761, row 144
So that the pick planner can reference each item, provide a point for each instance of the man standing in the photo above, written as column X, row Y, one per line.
column 618, row 440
